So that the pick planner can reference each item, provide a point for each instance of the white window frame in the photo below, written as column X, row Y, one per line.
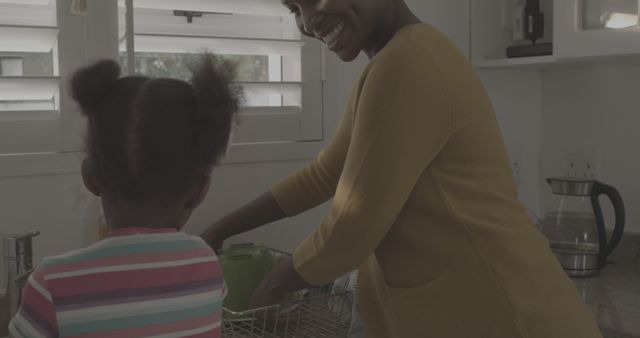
column 30, row 130
column 310, row 138
column 312, row 128
column 57, row 146
column 48, row 144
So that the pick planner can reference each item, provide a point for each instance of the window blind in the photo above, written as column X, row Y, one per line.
column 277, row 67
column 29, row 82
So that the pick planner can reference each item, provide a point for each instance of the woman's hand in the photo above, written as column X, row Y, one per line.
column 267, row 294
column 275, row 287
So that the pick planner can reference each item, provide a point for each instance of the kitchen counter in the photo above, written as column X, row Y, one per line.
column 614, row 298
column 614, row 295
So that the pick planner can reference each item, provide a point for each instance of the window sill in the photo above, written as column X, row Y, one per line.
column 68, row 163
column 40, row 164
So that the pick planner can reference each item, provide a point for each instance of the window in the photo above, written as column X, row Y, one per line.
column 42, row 44
column 282, row 115
column 29, row 75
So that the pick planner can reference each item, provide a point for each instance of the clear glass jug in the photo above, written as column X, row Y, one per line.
column 575, row 224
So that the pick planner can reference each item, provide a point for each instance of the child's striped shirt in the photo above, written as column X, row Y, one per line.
column 139, row 282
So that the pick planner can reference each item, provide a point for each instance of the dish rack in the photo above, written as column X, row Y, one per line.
column 311, row 313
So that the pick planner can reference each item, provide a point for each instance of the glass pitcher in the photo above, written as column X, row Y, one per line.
column 575, row 224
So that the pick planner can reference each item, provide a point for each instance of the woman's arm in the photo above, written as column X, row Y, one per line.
column 262, row 210
column 403, row 119
column 303, row 190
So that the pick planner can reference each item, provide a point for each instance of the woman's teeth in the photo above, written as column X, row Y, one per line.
column 332, row 37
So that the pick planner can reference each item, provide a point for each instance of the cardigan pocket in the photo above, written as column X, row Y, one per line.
column 423, row 309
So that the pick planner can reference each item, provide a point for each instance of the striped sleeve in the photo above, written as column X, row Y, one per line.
column 36, row 317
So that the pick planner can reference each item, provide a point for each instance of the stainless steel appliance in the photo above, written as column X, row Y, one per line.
column 575, row 224
column 17, row 260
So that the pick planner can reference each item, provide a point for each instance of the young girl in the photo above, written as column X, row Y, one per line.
column 151, row 144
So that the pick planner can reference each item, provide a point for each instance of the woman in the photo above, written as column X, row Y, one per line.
column 424, row 201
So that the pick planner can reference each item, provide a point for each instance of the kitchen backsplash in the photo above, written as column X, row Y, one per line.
column 628, row 249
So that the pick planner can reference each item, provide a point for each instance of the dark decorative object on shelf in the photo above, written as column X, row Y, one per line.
column 533, row 21
column 533, row 31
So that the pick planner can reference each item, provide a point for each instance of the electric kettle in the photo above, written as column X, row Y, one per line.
column 575, row 224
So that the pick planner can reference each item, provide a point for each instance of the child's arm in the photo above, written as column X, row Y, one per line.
column 36, row 316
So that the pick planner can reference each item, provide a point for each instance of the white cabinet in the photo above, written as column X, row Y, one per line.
column 492, row 32
column 596, row 28
column 582, row 31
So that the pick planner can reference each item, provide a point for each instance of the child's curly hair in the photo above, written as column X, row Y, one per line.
column 153, row 138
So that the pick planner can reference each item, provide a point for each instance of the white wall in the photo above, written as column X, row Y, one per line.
column 51, row 204
column 517, row 98
column 596, row 108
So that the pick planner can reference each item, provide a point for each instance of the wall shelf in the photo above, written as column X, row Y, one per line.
column 492, row 34
column 534, row 62
column 573, row 45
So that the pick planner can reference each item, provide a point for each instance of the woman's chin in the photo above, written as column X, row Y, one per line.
column 347, row 55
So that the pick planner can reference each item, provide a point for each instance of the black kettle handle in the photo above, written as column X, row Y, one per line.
column 607, row 247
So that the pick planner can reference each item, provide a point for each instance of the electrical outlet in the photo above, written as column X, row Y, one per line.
column 582, row 163
column 516, row 166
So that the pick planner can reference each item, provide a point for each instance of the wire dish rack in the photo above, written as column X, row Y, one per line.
column 317, row 312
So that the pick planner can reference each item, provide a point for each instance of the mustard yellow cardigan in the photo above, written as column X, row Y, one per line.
column 426, row 207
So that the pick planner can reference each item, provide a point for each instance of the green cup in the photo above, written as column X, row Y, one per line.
column 244, row 267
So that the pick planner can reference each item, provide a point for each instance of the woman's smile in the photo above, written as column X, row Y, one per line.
column 332, row 38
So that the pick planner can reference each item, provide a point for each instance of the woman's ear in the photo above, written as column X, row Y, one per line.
column 199, row 192
column 89, row 178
